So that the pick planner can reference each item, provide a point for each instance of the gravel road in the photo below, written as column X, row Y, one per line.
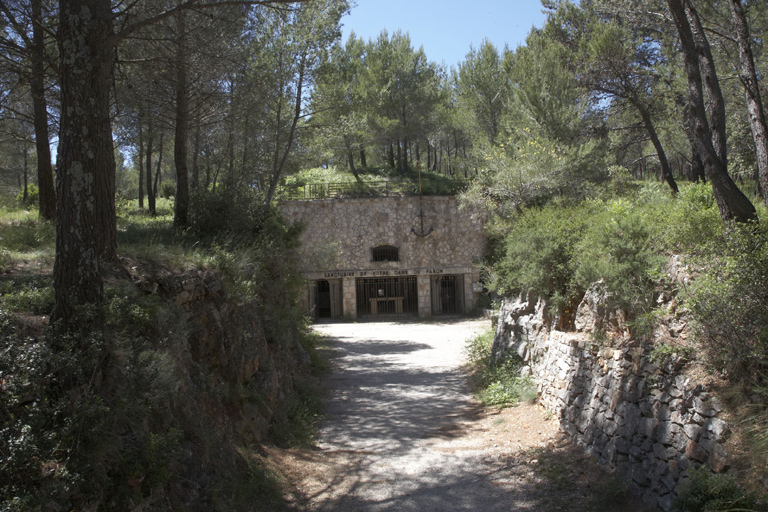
column 403, row 433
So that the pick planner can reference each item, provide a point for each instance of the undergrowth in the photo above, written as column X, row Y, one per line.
column 496, row 382
column 120, row 418
column 704, row 491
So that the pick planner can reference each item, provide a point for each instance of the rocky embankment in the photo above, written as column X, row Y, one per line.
column 232, row 386
column 636, row 411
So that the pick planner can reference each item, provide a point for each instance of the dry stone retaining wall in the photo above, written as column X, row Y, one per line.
column 650, row 423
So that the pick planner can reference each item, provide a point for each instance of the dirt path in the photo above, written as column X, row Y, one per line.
column 403, row 433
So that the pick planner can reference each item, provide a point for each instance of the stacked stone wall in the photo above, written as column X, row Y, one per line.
column 340, row 233
column 647, row 421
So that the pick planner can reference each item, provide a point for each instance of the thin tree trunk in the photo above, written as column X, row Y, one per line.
column 158, row 172
column 47, row 204
column 391, row 156
column 141, row 166
column 244, row 163
column 25, row 192
column 351, row 160
column 748, row 74
column 362, row 159
column 195, row 159
column 180, row 149
column 150, row 193
column 666, row 171
column 400, row 167
column 278, row 170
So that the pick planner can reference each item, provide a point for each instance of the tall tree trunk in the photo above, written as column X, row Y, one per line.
column 351, row 160
column 47, row 206
column 666, row 171
column 180, row 150
column 279, row 166
column 391, row 156
column 362, row 159
column 150, row 192
column 158, row 172
column 85, row 158
column 141, row 165
column 400, row 167
column 244, row 164
column 732, row 203
column 748, row 74
column 715, row 104
column 195, row 159
column 25, row 192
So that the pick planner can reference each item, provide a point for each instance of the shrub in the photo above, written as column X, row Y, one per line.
column 618, row 248
column 168, row 189
column 496, row 382
column 33, row 296
column 540, row 250
column 691, row 221
column 705, row 491
column 33, row 196
column 730, row 302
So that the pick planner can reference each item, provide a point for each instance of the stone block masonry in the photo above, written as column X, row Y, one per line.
column 338, row 243
column 650, row 423
column 340, row 233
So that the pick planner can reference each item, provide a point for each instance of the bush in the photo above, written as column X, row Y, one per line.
column 496, row 382
column 225, row 214
column 618, row 249
column 33, row 196
column 705, row 491
column 34, row 296
column 730, row 302
column 540, row 250
column 168, row 189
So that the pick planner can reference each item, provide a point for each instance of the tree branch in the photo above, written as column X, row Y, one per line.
column 192, row 4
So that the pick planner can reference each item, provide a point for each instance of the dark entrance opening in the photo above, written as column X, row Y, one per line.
column 323, row 299
column 447, row 295
column 387, row 297
column 326, row 297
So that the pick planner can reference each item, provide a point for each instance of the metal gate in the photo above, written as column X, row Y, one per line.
column 326, row 297
column 447, row 295
column 388, row 297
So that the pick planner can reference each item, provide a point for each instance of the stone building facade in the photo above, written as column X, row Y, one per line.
column 388, row 256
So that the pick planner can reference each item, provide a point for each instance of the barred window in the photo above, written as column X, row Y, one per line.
column 385, row 253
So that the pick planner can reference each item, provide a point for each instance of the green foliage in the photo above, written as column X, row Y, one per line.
column 225, row 214
column 691, row 221
column 168, row 189
column 33, row 295
column 24, row 232
column 663, row 352
column 618, row 248
column 33, row 196
column 540, row 250
column 497, row 382
column 705, row 491
column 730, row 301
column 62, row 427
